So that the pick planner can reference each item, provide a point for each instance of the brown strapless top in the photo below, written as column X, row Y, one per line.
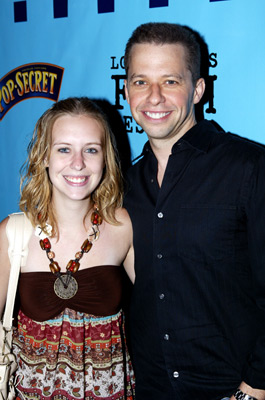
column 99, row 293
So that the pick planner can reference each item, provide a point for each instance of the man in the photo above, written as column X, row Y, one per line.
column 197, row 203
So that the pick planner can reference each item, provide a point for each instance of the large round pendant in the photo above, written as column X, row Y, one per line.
column 65, row 292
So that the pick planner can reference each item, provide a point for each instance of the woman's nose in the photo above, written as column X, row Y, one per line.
column 78, row 162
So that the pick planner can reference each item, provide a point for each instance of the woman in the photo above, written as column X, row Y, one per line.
column 70, row 338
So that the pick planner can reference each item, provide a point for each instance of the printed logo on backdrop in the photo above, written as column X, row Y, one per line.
column 60, row 7
column 120, row 99
column 33, row 80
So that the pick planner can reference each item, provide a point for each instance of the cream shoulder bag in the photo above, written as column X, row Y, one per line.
column 18, row 230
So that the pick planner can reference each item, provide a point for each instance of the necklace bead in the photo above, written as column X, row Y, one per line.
column 79, row 255
column 55, row 267
column 86, row 246
column 73, row 266
column 50, row 255
column 45, row 244
column 61, row 286
column 96, row 219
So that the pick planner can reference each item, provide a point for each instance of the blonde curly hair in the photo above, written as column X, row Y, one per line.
column 35, row 186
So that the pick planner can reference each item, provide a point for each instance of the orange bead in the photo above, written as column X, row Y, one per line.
column 45, row 244
column 54, row 267
column 86, row 246
column 73, row 266
column 96, row 219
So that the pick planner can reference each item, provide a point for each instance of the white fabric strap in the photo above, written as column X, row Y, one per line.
column 18, row 230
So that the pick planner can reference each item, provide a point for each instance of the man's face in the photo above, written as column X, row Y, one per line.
column 160, row 91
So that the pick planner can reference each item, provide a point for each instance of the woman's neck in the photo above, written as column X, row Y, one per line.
column 71, row 214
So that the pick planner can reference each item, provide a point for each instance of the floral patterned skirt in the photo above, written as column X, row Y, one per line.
column 73, row 356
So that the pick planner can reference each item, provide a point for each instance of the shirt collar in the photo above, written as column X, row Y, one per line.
column 200, row 137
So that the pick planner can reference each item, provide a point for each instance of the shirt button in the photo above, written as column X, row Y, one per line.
column 161, row 296
column 152, row 180
column 166, row 337
column 160, row 215
column 159, row 256
column 175, row 374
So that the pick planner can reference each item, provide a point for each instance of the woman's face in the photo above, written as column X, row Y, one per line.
column 76, row 159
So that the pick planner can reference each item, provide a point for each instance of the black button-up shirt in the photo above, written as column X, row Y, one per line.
column 198, row 304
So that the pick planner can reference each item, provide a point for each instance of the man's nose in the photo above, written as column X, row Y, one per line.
column 156, row 95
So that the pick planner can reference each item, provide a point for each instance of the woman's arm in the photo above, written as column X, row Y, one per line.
column 129, row 264
column 127, row 236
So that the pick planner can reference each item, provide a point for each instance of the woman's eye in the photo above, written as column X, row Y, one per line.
column 63, row 150
column 91, row 150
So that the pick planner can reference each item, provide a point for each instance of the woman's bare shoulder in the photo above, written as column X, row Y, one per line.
column 3, row 244
column 122, row 216
column 3, row 240
column 3, row 224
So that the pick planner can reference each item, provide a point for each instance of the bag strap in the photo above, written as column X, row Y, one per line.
column 18, row 231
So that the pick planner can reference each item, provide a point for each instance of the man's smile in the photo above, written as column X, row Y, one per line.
column 156, row 115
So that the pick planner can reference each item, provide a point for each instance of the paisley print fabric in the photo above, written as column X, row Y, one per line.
column 73, row 356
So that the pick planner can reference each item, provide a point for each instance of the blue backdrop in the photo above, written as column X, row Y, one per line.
column 52, row 49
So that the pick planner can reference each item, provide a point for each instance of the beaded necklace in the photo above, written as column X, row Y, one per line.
column 66, row 285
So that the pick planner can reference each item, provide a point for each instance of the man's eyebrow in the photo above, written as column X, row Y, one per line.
column 133, row 76
column 174, row 75
column 142, row 76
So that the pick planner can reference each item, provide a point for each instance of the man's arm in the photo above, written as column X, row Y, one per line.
column 253, row 378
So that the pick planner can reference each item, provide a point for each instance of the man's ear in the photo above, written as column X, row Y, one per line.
column 199, row 90
column 126, row 90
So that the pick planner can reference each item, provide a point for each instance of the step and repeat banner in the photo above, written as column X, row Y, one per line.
column 53, row 49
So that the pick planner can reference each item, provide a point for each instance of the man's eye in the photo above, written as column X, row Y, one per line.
column 171, row 82
column 139, row 83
